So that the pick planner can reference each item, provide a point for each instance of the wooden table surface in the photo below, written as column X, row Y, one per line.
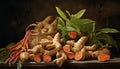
column 114, row 63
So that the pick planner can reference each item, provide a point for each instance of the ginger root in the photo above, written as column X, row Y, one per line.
column 61, row 58
column 43, row 28
column 96, row 53
column 66, row 48
column 47, row 28
column 79, row 44
column 91, row 48
column 36, row 49
column 91, row 52
column 80, row 55
column 70, row 42
column 56, row 43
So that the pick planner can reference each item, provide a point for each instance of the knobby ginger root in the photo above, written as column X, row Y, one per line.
column 45, row 27
column 56, row 43
column 80, row 44
column 61, row 59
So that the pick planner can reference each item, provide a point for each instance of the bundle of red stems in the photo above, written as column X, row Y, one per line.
column 18, row 48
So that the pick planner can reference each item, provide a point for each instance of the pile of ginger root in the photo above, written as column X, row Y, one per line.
column 45, row 44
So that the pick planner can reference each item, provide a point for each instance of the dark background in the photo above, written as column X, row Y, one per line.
column 16, row 15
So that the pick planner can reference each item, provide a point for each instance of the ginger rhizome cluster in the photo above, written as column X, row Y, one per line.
column 45, row 43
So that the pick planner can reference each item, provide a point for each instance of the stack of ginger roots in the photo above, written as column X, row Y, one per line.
column 44, row 43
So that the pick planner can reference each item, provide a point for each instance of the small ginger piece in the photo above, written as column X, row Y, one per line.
column 58, row 54
column 50, row 46
column 50, row 52
column 47, row 58
column 70, row 55
column 46, row 39
column 80, row 55
column 72, row 34
column 35, row 49
column 91, row 48
column 96, row 53
column 103, row 57
column 70, row 42
column 56, row 41
column 66, row 48
column 80, row 44
column 37, row 58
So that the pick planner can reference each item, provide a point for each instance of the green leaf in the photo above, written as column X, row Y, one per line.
column 64, row 32
column 109, row 30
column 79, row 14
column 68, row 13
column 61, row 13
column 70, row 28
column 61, row 23
column 85, row 25
column 107, row 39
column 97, row 42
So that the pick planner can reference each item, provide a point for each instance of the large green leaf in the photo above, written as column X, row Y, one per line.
column 109, row 30
column 61, row 13
column 85, row 25
column 107, row 39
column 79, row 14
